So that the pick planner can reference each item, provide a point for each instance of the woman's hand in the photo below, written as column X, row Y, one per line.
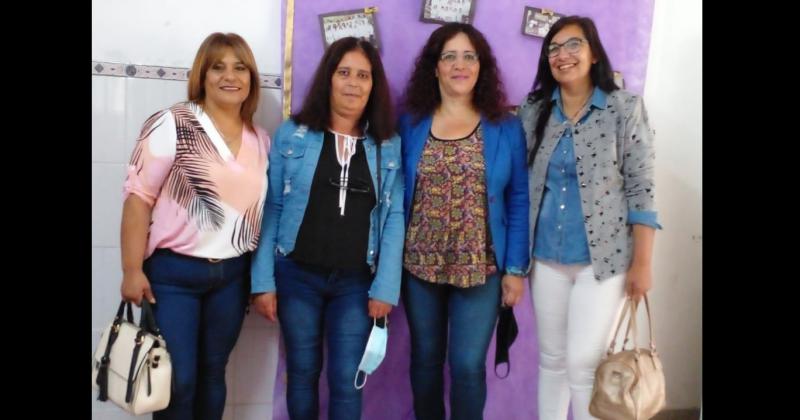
column 638, row 281
column 378, row 309
column 513, row 288
column 267, row 305
column 135, row 286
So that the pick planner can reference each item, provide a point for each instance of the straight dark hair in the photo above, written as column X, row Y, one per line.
column 545, row 84
column 316, row 110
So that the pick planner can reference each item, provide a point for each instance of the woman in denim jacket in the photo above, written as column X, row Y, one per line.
column 592, row 213
column 323, row 219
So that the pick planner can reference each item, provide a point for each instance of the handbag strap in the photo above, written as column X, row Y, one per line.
column 147, row 321
column 121, row 310
column 105, row 361
column 147, row 324
column 630, row 309
column 650, row 323
column 130, row 312
column 625, row 312
column 134, row 357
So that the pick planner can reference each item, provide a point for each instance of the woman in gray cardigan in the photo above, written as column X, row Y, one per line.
column 592, row 216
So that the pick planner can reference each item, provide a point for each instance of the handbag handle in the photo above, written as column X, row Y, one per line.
column 120, row 311
column 147, row 321
column 650, row 323
column 625, row 312
column 631, row 308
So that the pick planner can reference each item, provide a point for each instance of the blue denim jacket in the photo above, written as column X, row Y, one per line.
column 292, row 163
column 506, row 184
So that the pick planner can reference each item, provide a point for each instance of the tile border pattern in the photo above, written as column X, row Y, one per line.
column 103, row 68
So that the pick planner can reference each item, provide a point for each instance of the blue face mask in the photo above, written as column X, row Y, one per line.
column 373, row 354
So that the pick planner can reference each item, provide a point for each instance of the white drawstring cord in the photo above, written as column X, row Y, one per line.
column 344, row 157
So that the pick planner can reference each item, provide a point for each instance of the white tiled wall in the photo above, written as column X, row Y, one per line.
column 119, row 107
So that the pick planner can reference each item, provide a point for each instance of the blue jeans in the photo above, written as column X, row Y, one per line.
column 199, row 308
column 312, row 300
column 471, row 314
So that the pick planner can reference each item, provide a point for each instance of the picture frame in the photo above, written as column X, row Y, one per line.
column 537, row 21
column 359, row 23
column 619, row 80
column 446, row 11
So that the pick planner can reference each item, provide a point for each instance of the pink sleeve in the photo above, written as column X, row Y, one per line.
column 152, row 158
column 263, row 138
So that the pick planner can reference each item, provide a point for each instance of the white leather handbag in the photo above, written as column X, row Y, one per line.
column 131, row 365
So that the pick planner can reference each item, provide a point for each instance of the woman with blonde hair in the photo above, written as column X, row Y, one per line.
column 194, row 196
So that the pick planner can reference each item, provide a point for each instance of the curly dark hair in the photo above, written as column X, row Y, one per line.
column 422, row 95
column 316, row 110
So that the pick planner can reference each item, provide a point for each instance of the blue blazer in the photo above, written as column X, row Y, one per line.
column 504, row 151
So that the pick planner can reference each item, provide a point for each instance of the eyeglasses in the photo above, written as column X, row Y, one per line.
column 572, row 46
column 450, row 57
column 355, row 185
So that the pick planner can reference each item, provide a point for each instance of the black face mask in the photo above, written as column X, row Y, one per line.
column 506, row 334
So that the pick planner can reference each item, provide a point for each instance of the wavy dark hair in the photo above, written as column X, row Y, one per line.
column 545, row 84
column 316, row 110
column 422, row 95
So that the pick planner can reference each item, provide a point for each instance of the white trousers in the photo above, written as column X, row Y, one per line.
column 575, row 317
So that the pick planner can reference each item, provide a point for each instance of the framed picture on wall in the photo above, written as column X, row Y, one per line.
column 537, row 22
column 619, row 80
column 444, row 11
column 359, row 23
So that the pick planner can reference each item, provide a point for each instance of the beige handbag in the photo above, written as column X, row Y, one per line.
column 629, row 384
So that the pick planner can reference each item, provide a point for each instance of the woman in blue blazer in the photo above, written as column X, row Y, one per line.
column 466, row 209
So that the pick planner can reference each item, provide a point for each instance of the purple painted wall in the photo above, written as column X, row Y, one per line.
column 624, row 27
